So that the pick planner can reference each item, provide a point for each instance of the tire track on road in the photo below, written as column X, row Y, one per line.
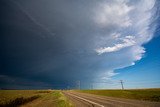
column 86, row 102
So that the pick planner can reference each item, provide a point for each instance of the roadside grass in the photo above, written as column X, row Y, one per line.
column 19, row 101
column 15, row 98
column 36, row 98
column 138, row 94
column 10, row 96
column 62, row 101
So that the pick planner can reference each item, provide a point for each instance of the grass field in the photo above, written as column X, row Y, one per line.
column 139, row 94
column 55, row 98
column 30, row 98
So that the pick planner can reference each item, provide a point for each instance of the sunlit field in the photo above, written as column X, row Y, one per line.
column 139, row 94
column 36, row 98
column 55, row 98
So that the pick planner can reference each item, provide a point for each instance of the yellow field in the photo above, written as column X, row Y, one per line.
column 30, row 98
column 139, row 94
column 55, row 98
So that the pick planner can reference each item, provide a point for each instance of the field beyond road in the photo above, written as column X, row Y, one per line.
column 138, row 94
column 33, row 98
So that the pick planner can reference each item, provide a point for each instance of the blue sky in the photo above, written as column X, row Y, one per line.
column 146, row 72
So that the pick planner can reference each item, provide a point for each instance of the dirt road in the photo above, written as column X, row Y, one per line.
column 89, row 100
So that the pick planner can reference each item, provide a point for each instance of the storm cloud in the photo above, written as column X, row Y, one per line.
column 55, row 43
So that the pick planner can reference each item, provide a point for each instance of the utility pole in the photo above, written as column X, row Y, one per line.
column 121, row 81
column 68, row 87
column 91, row 86
column 79, row 84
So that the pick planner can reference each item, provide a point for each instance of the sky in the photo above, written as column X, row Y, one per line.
column 60, row 44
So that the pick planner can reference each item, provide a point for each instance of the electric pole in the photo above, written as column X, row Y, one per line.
column 79, row 84
column 91, row 86
column 121, row 81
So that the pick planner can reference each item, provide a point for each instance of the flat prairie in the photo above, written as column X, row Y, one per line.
column 36, row 98
column 138, row 94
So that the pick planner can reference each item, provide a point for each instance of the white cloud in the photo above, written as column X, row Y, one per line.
column 126, row 18
column 126, row 42
column 107, row 75
column 114, row 13
column 129, row 19
column 138, row 52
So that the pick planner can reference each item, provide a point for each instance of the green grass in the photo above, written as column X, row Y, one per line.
column 36, row 98
column 139, row 94
column 62, row 101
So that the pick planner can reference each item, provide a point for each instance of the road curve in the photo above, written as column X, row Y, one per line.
column 90, row 100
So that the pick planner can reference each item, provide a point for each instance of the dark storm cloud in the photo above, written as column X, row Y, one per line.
column 52, row 43
column 26, row 54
